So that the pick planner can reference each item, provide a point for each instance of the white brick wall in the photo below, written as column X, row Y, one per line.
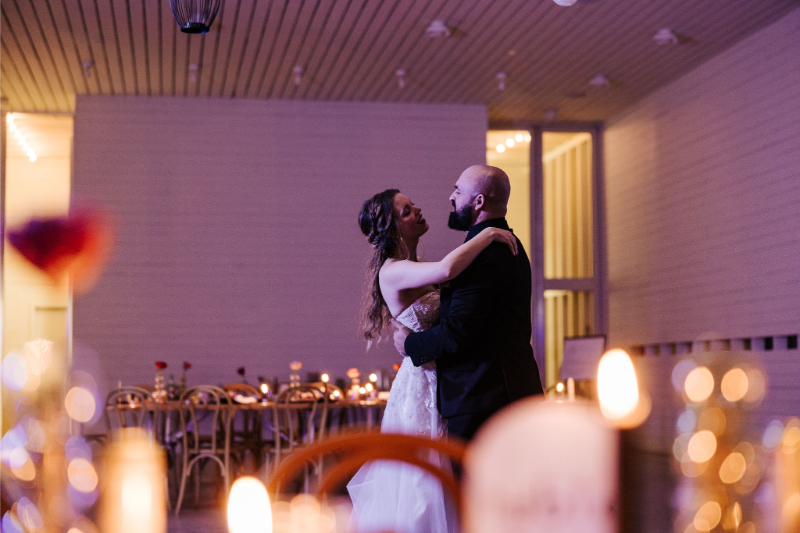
column 703, row 196
column 237, row 236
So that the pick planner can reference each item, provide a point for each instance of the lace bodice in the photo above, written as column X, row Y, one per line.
column 422, row 314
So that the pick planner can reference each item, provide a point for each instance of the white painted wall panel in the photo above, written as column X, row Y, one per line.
column 702, row 189
column 237, row 236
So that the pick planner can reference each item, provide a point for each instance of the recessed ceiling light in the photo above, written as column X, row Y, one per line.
column 438, row 28
column 601, row 80
column 665, row 36
column 501, row 81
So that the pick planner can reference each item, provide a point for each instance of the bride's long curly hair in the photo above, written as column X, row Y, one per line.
column 378, row 223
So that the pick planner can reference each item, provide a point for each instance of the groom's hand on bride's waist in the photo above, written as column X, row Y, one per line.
column 400, row 334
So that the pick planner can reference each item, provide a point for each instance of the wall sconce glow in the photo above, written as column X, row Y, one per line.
column 248, row 507
column 510, row 143
column 617, row 386
column 501, row 148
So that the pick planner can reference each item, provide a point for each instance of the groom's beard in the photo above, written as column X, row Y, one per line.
column 460, row 219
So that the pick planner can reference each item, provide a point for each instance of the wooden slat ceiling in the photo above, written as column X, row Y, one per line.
column 351, row 49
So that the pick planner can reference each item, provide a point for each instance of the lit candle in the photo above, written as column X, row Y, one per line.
column 248, row 507
column 570, row 389
column 133, row 498
column 324, row 378
column 621, row 402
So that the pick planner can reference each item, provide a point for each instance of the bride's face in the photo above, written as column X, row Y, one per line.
column 409, row 216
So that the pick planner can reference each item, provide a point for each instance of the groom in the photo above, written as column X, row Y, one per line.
column 482, row 344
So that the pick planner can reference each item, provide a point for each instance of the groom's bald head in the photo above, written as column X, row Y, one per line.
column 493, row 184
column 481, row 194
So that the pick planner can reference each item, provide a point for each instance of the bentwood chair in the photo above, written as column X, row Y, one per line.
column 356, row 449
column 299, row 418
column 246, row 425
column 210, row 406
column 128, row 407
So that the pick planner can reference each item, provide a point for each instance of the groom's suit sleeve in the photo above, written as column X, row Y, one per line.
column 470, row 307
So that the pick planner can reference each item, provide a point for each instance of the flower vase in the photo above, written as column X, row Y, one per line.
column 160, row 393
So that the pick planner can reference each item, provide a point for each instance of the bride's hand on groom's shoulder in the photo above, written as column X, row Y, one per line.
column 400, row 334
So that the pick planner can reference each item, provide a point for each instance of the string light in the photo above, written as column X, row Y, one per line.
column 20, row 137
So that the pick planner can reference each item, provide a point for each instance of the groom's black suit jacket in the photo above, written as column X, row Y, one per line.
column 482, row 344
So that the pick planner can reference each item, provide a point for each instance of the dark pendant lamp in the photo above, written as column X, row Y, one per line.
column 194, row 16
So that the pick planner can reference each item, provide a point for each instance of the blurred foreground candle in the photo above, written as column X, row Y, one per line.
column 133, row 498
column 542, row 466
column 248, row 507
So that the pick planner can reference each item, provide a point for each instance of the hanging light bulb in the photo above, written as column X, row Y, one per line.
column 565, row 3
column 401, row 78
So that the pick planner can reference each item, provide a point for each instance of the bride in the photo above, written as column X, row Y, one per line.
column 390, row 496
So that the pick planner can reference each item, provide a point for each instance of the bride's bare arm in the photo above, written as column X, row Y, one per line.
column 399, row 275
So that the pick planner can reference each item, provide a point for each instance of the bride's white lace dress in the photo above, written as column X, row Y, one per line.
column 391, row 496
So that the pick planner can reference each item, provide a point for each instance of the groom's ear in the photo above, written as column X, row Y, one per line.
column 480, row 201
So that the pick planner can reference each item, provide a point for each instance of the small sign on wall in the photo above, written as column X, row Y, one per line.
column 581, row 357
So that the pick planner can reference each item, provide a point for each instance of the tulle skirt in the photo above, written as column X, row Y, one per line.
column 393, row 496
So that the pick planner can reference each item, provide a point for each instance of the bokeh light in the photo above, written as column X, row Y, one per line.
column 734, row 384
column 686, row 421
column 77, row 447
column 82, row 475
column 708, row 516
column 712, row 419
column 733, row 468
column 38, row 354
column 699, row 384
column 34, row 431
column 702, row 446
column 773, row 435
column 248, row 507
column 28, row 514
column 791, row 439
column 13, row 371
column 680, row 372
column 756, row 386
column 10, row 524
column 80, row 404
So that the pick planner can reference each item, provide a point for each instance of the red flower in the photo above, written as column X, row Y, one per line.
column 77, row 245
column 187, row 365
column 240, row 370
column 161, row 365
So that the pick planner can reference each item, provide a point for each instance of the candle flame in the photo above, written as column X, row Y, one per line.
column 325, row 378
column 618, row 390
column 248, row 507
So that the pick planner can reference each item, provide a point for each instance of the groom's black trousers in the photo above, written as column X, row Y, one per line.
column 465, row 426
